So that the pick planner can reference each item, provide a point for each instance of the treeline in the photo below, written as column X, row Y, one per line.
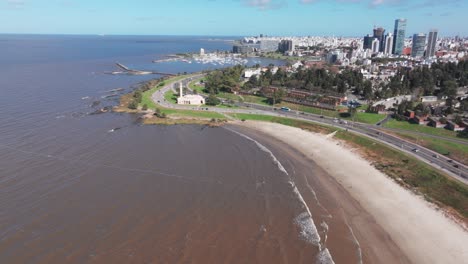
column 441, row 78
column 224, row 80
column 309, row 79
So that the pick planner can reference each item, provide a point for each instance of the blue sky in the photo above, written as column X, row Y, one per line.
column 230, row 17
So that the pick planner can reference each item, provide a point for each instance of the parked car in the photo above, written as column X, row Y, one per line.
column 415, row 150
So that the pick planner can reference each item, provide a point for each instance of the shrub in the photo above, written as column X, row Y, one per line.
column 133, row 105
column 212, row 100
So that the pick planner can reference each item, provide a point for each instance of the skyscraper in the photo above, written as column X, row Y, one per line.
column 368, row 42
column 419, row 44
column 379, row 34
column 399, row 36
column 388, row 43
column 431, row 43
column 375, row 45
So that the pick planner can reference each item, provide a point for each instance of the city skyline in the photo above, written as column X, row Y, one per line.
column 230, row 18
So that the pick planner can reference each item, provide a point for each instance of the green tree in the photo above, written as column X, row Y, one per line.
column 212, row 100
column 133, row 104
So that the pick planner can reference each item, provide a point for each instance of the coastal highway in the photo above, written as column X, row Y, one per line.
column 453, row 168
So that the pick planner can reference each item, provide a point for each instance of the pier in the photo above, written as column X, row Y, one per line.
column 125, row 69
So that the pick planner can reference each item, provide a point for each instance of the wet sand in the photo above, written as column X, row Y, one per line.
column 391, row 224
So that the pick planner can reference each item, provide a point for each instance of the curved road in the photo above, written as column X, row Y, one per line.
column 453, row 168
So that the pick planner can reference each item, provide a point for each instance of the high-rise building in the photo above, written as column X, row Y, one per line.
column 269, row 45
column 431, row 43
column 399, row 36
column 379, row 34
column 388, row 43
column 419, row 44
column 286, row 45
column 368, row 42
column 375, row 45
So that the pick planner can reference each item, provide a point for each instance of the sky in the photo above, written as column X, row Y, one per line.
column 231, row 17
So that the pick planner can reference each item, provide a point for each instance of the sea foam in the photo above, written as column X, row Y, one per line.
column 304, row 220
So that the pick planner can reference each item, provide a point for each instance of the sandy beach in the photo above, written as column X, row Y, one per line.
column 389, row 223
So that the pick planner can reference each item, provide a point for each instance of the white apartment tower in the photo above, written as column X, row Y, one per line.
column 388, row 48
column 375, row 45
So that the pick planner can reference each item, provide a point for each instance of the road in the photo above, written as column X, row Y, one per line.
column 453, row 168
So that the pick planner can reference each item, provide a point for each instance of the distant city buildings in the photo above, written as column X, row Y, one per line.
column 368, row 42
column 399, row 36
column 431, row 44
column 286, row 45
column 375, row 45
column 419, row 45
column 388, row 46
column 379, row 35
column 269, row 45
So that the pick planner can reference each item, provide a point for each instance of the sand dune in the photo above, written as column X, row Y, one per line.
column 424, row 234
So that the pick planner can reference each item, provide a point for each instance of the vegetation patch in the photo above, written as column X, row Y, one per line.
column 404, row 125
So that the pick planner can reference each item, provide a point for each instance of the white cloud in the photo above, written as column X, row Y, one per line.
column 16, row 3
column 265, row 4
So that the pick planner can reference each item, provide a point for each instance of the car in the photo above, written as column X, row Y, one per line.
column 415, row 150
column 435, row 156
column 450, row 161
column 456, row 166
column 286, row 109
column 321, row 116
column 274, row 109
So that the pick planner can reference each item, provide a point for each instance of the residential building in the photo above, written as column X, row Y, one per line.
column 431, row 43
column 375, row 45
column 435, row 122
column 388, row 44
column 368, row 42
column 286, row 45
column 269, row 45
column 379, row 34
column 456, row 127
column 419, row 45
column 399, row 36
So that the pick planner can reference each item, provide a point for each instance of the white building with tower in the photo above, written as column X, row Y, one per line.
column 189, row 99
column 202, row 52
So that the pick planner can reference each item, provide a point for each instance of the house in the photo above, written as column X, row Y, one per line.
column 435, row 122
column 421, row 120
column 456, row 127
column 410, row 114
column 378, row 108
column 429, row 99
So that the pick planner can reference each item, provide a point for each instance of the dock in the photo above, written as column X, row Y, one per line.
column 139, row 72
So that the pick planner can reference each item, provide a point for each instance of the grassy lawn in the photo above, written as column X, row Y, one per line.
column 453, row 150
column 421, row 128
column 255, row 99
column 412, row 173
column 368, row 118
column 192, row 113
column 199, row 88
column 171, row 97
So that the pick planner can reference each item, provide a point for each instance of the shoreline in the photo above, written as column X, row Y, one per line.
column 415, row 225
